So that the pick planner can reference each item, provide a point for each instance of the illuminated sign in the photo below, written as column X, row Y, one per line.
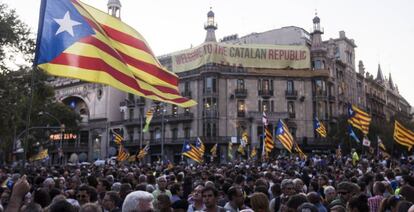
column 66, row 136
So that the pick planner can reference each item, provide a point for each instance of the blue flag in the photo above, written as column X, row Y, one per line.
column 352, row 134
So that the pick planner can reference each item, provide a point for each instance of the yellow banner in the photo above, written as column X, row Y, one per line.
column 250, row 56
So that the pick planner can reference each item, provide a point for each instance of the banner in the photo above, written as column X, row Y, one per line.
column 250, row 56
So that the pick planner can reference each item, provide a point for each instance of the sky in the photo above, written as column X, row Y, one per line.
column 383, row 30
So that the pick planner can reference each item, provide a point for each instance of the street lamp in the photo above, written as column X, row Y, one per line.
column 162, row 132
column 62, row 127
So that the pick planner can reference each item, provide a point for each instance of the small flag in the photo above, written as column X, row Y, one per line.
column 230, row 151
column 352, row 134
column 117, row 138
column 359, row 119
column 319, row 127
column 148, row 118
column 284, row 136
column 245, row 138
column 199, row 147
column 241, row 149
column 403, row 135
column 122, row 154
column 143, row 152
column 253, row 153
column 213, row 151
column 40, row 156
column 302, row 155
column 264, row 119
column 190, row 152
column 366, row 142
column 268, row 141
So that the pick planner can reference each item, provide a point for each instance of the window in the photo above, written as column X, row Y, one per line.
column 186, row 86
column 317, row 64
column 264, row 106
column 186, row 110
column 130, row 97
column 240, row 106
column 174, row 110
column 174, row 133
column 290, row 87
column 291, row 108
column 265, row 85
column 209, row 129
column 131, row 113
column 157, row 133
column 210, row 103
column 131, row 135
column 320, row 87
column 209, row 85
column 187, row 131
column 240, row 84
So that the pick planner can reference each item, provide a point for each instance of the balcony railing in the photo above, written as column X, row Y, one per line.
column 240, row 93
column 241, row 113
column 292, row 115
column 332, row 98
column 291, row 94
column 186, row 94
column 210, row 113
column 256, row 115
column 266, row 93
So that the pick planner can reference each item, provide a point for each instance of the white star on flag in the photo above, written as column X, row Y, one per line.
column 66, row 24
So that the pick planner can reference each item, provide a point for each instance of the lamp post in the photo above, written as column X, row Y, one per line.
column 62, row 127
column 162, row 132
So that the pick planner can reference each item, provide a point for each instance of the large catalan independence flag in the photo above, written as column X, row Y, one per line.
column 284, row 136
column 403, row 135
column 78, row 41
column 359, row 118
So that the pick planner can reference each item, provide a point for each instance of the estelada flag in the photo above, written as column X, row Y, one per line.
column 78, row 41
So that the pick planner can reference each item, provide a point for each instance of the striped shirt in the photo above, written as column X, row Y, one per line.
column 375, row 202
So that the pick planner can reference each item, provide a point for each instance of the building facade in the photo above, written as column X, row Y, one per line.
column 232, row 96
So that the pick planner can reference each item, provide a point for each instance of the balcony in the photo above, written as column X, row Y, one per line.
column 257, row 115
column 266, row 93
column 171, row 118
column 140, row 101
column 332, row 98
column 291, row 94
column 240, row 93
column 186, row 94
column 210, row 114
column 241, row 114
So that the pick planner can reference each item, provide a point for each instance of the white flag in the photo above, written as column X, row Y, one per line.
column 366, row 142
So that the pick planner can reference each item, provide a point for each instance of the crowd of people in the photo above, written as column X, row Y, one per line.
column 319, row 183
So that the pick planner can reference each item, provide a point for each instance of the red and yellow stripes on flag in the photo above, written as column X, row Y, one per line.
column 286, row 138
column 302, row 155
column 213, row 151
column 148, row 118
column 143, row 152
column 40, row 156
column 122, row 154
column 268, row 142
column 253, row 153
column 360, row 120
column 118, row 56
column 117, row 138
column 245, row 138
column 403, row 135
column 193, row 154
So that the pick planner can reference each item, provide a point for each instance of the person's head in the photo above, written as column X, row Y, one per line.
column 32, row 207
column 403, row 206
column 323, row 180
column 330, row 193
column 358, row 203
column 180, row 206
column 197, row 193
column 42, row 197
column 83, row 195
column 407, row 193
column 338, row 208
column 259, row 202
column 176, row 189
column 298, row 184
column 5, row 198
column 138, row 201
column 313, row 197
column 379, row 188
column 288, row 187
column 345, row 191
column 209, row 195
column 295, row 201
column 124, row 190
column 103, row 185
column 235, row 195
column 61, row 206
column 307, row 207
column 111, row 200
column 162, row 183
column 163, row 202
column 90, row 207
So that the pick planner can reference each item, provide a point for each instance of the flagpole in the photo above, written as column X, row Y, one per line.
column 29, row 111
